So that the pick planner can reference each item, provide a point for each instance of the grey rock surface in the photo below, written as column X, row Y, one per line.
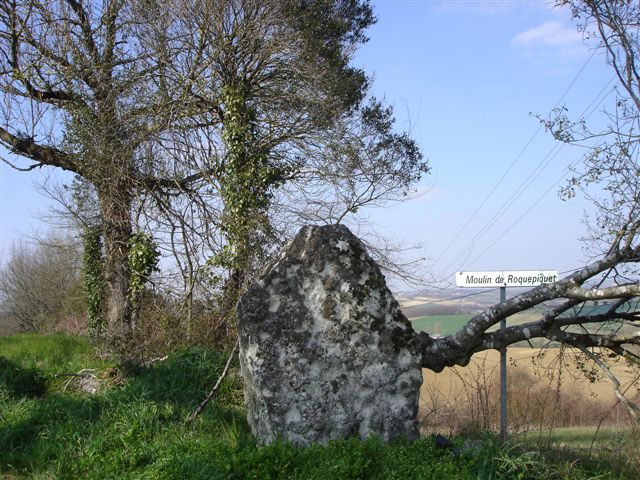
column 325, row 351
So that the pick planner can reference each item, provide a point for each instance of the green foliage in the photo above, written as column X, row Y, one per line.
column 249, row 181
column 143, row 260
column 329, row 31
column 493, row 460
column 83, row 201
column 98, row 143
column 340, row 459
column 93, row 280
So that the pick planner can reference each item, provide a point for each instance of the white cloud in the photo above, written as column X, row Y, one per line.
column 549, row 34
column 553, row 46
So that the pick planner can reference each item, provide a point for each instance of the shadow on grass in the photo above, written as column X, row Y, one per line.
column 184, row 378
column 21, row 382
column 120, row 428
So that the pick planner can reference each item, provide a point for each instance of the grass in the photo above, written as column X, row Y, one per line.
column 134, row 428
column 127, row 427
column 584, row 437
column 52, row 354
column 595, row 448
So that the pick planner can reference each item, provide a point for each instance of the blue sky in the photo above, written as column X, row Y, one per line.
column 467, row 76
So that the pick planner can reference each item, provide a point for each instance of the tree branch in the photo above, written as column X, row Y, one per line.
column 633, row 409
column 222, row 376
column 458, row 348
column 43, row 155
column 184, row 184
column 619, row 291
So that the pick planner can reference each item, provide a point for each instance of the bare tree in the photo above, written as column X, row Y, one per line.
column 609, row 175
column 75, row 78
column 40, row 283
column 289, row 135
column 205, row 105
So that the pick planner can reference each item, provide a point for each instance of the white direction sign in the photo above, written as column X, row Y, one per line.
column 518, row 278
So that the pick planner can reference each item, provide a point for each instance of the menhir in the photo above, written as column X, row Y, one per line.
column 325, row 351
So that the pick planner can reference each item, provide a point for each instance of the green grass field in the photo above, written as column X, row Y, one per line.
column 134, row 427
column 448, row 324
column 619, row 446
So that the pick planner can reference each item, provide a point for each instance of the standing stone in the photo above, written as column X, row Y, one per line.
column 325, row 351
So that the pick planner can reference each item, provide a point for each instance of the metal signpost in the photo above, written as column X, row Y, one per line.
column 504, row 279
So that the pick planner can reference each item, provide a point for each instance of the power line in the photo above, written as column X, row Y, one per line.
column 517, row 193
column 535, row 173
column 513, row 224
column 515, row 161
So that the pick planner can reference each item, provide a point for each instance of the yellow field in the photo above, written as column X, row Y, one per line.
column 543, row 387
column 413, row 301
column 531, row 362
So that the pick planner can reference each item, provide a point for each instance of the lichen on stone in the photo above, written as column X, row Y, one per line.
column 324, row 349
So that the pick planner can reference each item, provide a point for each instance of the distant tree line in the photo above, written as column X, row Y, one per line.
column 41, row 287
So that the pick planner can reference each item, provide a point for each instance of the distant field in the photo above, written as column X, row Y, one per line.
column 528, row 362
column 448, row 324
column 408, row 302
column 543, row 391
column 440, row 324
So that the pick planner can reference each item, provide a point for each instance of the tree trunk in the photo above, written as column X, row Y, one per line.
column 115, row 207
column 230, row 295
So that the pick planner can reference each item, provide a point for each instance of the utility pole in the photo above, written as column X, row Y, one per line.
column 504, row 279
column 503, row 374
